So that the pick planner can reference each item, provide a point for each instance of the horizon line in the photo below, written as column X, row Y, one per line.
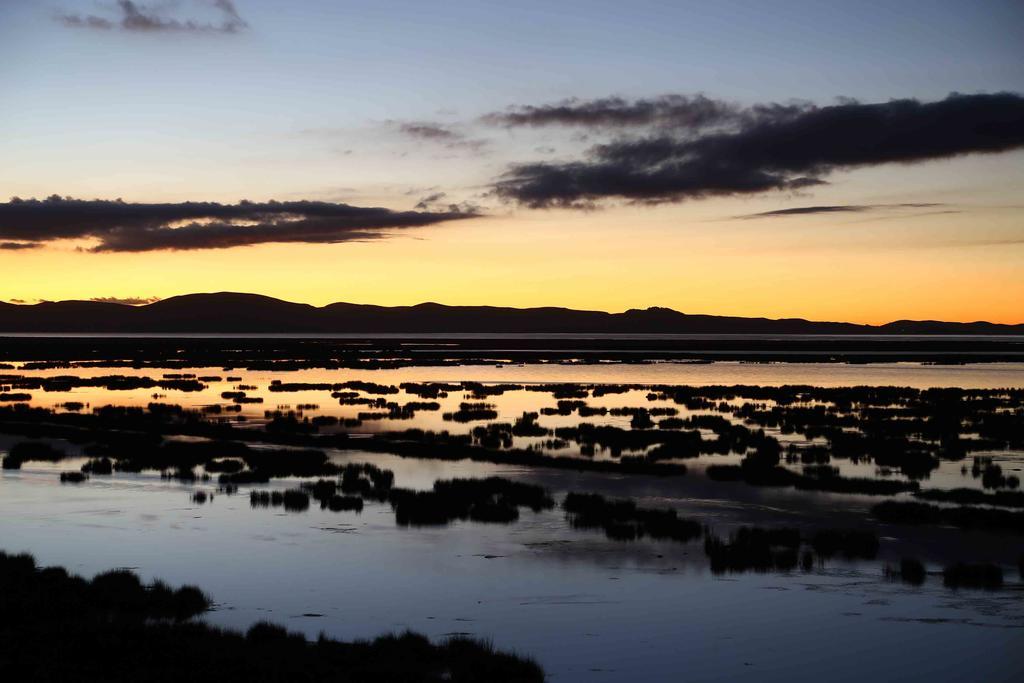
column 144, row 302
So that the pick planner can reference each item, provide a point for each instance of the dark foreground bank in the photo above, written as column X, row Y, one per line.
column 59, row 627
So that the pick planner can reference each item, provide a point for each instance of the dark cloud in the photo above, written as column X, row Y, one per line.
column 441, row 134
column 14, row 246
column 429, row 131
column 840, row 208
column 90, row 21
column 771, row 148
column 123, row 226
column 676, row 111
column 126, row 301
column 430, row 200
column 133, row 16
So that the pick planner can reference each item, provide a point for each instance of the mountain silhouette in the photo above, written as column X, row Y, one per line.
column 230, row 312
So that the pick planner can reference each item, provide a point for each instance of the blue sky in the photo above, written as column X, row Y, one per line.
column 348, row 66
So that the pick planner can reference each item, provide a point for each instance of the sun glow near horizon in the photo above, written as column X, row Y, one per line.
column 510, row 262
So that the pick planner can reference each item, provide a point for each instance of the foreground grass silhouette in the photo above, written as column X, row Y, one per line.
column 59, row 627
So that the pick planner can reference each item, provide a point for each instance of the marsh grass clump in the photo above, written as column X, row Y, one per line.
column 990, row 519
column 851, row 543
column 324, row 491
column 807, row 561
column 496, row 435
column 963, row 575
column 526, row 425
column 561, row 391
column 910, row 571
column 610, row 389
column 259, row 499
column 369, row 387
column 26, row 451
column 344, row 504
column 227, row 465
column 292, row 500
column 752, row 548
column 472, row 412
column 814, row 478
column 367, row 481
column 965, row 496
column 185, row 475
column 493, row 500
column 53, row 593
column 321, row 489
column 101, row 466
column 622, row 520
column 478, row 390
column 429, row 390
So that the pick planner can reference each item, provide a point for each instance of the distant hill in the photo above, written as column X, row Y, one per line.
column 228, row 312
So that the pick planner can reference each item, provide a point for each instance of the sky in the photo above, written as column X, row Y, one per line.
column 857, row 161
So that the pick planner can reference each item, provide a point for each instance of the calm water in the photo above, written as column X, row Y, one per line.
column 587, row 608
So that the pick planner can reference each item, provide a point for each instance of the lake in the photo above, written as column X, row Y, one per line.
column 588, row 607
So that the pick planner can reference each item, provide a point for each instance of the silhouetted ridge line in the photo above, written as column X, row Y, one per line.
column 231, row 312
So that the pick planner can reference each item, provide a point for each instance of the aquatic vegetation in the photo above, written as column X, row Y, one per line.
column 102, row 466
column 493, row 436
column 292, row 500
column 820, row 480
column 366, row 480
column 429, row 389
column 851, row 543
column 417, row 443
column 526, row 425
column 898, row 429
column 324, row 491
column 991, row 474
column 974, row 497
column 471, row 412
column 492, row 499
column 566, row 408
column 910, row 571
column 988, row 519
column 478, row 390
column 369, row 387
column 561, row 391
column 962, row 575
column 25, row 451
column 344, row 503
column 623, row 520
column 754, row 549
